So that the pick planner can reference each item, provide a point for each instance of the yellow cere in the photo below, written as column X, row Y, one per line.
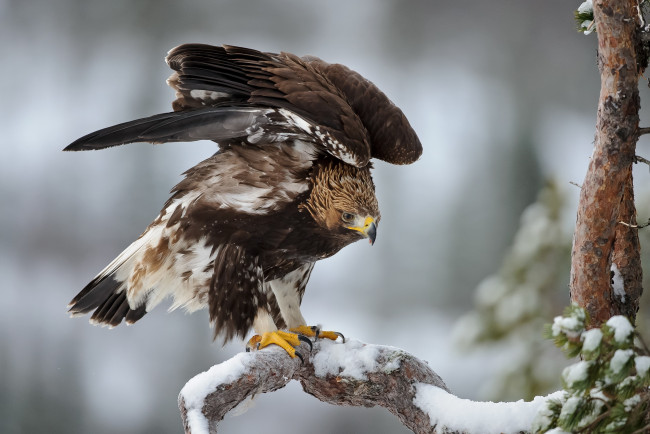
column 368, row 222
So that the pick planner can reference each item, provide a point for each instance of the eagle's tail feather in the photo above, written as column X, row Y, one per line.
column 106, row 294
column 93, row 295
column 210, row 123
column 107, row 297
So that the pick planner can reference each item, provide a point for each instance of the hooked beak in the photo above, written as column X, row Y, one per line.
column 368, row 230
column 371, row 232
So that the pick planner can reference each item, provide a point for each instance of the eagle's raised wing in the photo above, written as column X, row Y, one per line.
column 237, row 93
column 218, row 123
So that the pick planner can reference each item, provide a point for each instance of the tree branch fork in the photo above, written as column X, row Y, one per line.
column 354, row 374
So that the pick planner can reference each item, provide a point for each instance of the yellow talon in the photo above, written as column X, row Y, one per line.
column 328, row 335
column 284, row 340
column 311, row 332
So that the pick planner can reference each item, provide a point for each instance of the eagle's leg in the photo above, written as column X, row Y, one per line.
column 285, row 340
column 315, row 332
column 267, row 334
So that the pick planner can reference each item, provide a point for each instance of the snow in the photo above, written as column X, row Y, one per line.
column 458, row 414
column 621, row 327
column 588, row 26
column 206, row 382
column 490, row 291
column 571, row 326
column 620, row 359
column 543, row 419
column 195, row 390
column 586, row 7
column 617, row 283
column 575, row 373
column 631, row 402
column 615, row 425
column 570, row 407
column 642, row 364
column 591, row 340
column 197, row 421
column 516, row 306
column 243, row 406
column 352, row 359
column 599, row 395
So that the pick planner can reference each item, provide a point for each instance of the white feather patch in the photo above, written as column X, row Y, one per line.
column 226, row 190
column 207, row 95
column 287, row 296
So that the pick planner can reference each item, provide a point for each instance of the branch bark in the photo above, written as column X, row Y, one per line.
column 626, row 256
column 355, row 374
column 607, row 195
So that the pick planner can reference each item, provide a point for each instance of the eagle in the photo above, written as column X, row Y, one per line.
column 290, row 184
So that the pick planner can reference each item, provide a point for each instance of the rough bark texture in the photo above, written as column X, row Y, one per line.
column 390, row 384
column 598, row 237
column 627, row 256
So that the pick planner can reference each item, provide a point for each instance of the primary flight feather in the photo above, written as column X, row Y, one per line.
column 289, row 185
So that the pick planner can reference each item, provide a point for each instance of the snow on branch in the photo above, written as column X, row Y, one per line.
column 351, row 373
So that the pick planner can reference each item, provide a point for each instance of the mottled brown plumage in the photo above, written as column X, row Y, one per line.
column 290, row 185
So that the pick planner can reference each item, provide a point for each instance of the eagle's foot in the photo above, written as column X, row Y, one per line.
column 285, row 340
column 316, row 332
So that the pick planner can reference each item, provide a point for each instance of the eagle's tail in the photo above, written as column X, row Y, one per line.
column 158, row 265
column 106, row 294
column 106, row 297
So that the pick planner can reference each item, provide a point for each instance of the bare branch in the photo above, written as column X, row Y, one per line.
column 635, row 226
column 354, row 374
column 640, row 159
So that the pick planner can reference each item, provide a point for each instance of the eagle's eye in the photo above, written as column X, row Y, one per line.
column 347, row 217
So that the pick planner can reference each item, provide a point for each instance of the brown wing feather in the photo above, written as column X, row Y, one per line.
column 392, row 138
column 349, row 116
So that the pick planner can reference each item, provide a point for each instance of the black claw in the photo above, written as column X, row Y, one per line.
column 248, row 350
column 300, row 357
column 306, row 339
column 341, row 336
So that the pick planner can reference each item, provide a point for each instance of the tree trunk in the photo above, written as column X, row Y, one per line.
column 607, row 195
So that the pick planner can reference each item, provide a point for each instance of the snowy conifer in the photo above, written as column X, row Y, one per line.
column 605, row 392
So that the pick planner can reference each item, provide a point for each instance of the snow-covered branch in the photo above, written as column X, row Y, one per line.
column 351, row 373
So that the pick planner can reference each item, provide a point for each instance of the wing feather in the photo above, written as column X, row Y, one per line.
column 228, row 92
column 223, row 125
column 209, row 123
column 270, row 80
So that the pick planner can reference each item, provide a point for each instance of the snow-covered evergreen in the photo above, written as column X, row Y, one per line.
column 608, row 389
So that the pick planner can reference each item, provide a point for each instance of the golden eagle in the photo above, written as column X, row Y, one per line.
column 289, row 185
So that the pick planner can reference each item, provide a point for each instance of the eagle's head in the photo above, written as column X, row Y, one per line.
column 343, row 201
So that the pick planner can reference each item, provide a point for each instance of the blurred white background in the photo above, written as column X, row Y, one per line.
column 502, row 94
